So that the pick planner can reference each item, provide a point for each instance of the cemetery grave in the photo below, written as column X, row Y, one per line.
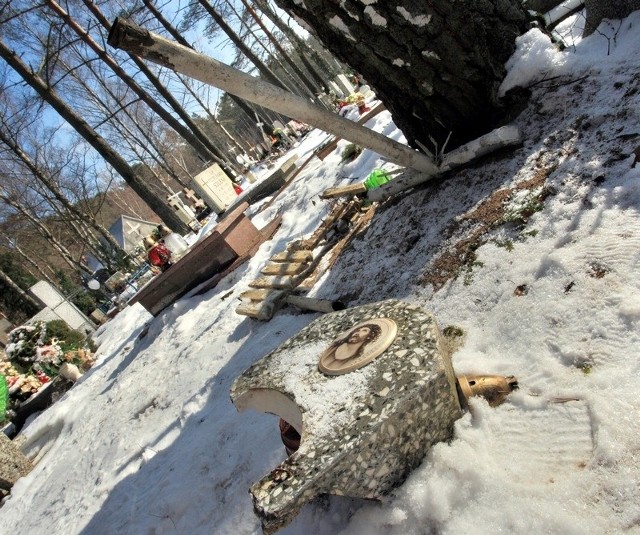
column 369, row 390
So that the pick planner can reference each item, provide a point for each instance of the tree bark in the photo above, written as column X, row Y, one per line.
column 23, row 295
column 166, row 214
column 612, row 9
column 436, row 65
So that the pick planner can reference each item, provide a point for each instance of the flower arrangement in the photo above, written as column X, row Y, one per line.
column 35, row 353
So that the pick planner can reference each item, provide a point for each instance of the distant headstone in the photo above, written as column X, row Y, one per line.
column 58, row 307
column 215, row 187
column 345, row 84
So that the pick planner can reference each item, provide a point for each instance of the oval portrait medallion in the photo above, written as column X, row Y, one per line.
column 358, row 346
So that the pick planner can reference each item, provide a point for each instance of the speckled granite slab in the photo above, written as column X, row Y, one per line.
column 362, row 432
column 13, row 463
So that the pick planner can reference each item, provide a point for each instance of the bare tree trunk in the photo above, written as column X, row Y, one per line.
column 195, row 141
column 285, row 55
column 298, row 43
column 23, row 295
column 125, row 34
column 436, row 65
column 94, row 139
column 32, row 263
column 211, row 116
column 150, row 145
column 242, row 104
column 295, row 84
column 45, row 232
column 265, row 71
column 41, row 176
column 218, row 155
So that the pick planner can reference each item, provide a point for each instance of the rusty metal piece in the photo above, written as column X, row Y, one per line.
column 494, row 388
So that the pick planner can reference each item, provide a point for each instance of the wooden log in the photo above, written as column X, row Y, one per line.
column 352, row 189
column 317, row 305
column 264, row 294
column 362, row 221
column 327, row 149
column 279, row 283
column 293, row 256
column 290, row 268
column 260, row 310
column 496, row 139
column 130, row 37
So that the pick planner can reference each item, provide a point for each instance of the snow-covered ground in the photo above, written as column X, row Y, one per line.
column 534, row 254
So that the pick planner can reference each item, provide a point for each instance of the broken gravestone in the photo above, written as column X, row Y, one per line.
column 13, row 463
column 369, row 389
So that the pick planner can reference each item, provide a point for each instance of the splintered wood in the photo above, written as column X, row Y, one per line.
column 298, row 267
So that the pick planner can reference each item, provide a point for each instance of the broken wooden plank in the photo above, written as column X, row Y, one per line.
column 293, row 256
column 342, row 191
column 289, row 268
column 262, row 294
column 338, row 211
column 496, row 139
column 279, row 283
column 362, row 222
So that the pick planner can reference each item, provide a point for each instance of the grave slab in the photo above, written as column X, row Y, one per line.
column 232, row 239
column 362, row 431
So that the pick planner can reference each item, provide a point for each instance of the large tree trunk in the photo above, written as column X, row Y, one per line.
column 24, row 295
column 41, row 175
column 436, row 65
column 612, row 9
column 130, row 176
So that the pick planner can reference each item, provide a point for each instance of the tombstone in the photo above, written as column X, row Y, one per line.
column 337, row 89
column 58, row 307
column 344, row 83
column 369, row 389
column 185, row 213
column 215, row 187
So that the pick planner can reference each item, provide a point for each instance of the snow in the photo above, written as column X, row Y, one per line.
column 148, row 441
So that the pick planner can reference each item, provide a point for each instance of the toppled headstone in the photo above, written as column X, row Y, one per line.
column 364, row 429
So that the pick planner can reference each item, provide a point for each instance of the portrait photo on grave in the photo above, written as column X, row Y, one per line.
column 358, row 346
